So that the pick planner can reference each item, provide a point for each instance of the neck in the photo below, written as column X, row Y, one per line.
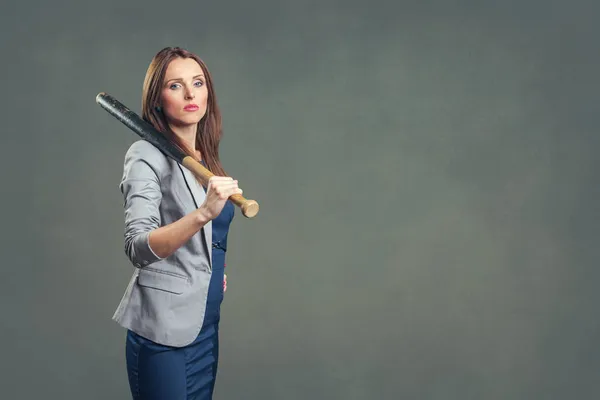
column 187, row 134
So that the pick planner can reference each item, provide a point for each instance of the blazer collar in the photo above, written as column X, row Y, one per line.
column 199, row 195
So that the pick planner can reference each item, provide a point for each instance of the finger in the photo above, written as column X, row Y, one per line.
column 225, row 183
column 224, row 192
column 216, row 180
column 219, row 188
column 228, row 192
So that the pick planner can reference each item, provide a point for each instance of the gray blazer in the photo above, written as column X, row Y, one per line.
column 166, row 297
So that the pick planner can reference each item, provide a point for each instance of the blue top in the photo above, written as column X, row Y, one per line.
column 220, row 229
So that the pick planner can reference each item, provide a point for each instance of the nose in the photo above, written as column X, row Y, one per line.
column 189, row 94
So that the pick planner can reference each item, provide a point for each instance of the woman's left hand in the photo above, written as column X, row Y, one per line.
column 224, row 282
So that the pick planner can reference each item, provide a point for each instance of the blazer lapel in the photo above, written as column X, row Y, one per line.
column 199, row 195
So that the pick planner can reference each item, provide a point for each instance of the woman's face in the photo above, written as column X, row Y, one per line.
column 184, row 95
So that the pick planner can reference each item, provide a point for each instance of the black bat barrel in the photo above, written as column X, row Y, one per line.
column 139, row 126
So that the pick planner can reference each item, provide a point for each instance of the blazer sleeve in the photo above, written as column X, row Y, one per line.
column 142, row 195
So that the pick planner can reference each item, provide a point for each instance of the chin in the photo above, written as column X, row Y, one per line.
column 193, row 118
column 189, row 120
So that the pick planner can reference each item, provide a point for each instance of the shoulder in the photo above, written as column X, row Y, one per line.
column 145, row 153
column 144, row 149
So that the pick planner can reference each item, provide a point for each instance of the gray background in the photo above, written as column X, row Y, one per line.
column 426, row 171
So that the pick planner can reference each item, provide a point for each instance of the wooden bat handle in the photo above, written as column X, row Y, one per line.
column 149, row 133
column 249, row 207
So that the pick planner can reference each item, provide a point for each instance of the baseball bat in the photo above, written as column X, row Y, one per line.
column 148, row 132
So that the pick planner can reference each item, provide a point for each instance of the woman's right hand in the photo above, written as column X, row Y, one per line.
column 217, row 192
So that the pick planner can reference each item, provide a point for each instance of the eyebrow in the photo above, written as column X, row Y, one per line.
column 180, row 79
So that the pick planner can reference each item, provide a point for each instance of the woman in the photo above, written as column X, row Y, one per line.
column 175, row 236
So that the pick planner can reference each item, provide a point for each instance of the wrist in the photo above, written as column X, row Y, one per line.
column 202, row 216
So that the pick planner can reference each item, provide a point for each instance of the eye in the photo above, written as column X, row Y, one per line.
column 198, row 83
column 174, row 86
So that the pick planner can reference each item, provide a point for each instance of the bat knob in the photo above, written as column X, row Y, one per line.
column 249, row 208
column 100, row 96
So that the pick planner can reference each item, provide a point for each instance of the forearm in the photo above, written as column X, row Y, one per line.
column 165, row 240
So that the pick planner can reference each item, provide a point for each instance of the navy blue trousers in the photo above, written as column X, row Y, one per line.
column 158, row 372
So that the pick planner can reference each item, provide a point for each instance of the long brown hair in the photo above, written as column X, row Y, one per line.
column 209, row 133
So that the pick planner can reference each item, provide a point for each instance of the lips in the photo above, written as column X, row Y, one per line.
column 191, row 107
